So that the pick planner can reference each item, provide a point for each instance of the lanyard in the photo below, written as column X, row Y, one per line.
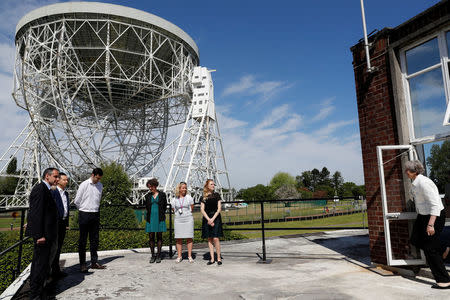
column 179, row 202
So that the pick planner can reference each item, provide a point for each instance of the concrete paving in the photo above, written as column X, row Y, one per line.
column 330, row 265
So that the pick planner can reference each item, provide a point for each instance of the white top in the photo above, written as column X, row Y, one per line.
column 88, row 196
column 426, row 196
column 64, row 201
column 184, row 204
column 65, row 8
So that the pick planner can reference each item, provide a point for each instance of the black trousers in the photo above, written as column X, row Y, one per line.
column 40, row 266
column 89, row 225
column 61, row 235
column 431, row 245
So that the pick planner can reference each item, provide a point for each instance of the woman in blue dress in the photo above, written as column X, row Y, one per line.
column 155, row 204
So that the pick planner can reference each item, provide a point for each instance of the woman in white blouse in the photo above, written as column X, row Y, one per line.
column 182, row 206
column 429, row 223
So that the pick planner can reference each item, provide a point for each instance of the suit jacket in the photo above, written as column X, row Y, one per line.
column 42, row 214
column 60, row 206
column 162, row 205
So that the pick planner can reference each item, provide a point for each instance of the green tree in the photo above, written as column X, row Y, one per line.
column 8, row 184
column 337, row 180
column 306, row 179
column 439, row 163
column 280, row 179
column 12, row 166
column 315, row 178
column 116, row 189
column 324, row 177
column 256, row 193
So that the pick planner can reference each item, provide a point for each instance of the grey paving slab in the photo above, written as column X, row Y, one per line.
column 332, row 265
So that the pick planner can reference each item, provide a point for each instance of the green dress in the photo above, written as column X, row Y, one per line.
column 155, row 225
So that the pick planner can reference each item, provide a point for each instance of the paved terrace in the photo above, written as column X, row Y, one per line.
column 330, row 265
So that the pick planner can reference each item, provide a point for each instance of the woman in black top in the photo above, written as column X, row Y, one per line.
column 210, row 207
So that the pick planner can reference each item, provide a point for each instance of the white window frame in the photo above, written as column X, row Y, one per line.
column 443, row 64
column 394, row 216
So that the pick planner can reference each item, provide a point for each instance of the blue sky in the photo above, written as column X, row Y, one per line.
column 284, row 85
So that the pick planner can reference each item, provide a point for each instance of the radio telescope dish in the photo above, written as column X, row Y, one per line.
column 102, row 82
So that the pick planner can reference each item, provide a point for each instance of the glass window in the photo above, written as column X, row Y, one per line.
column 423, row 56
column 428, row 103
column 447, row 36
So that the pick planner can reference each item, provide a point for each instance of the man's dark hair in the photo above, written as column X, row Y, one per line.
column 62, row 174
column 48, row 171
column 97, row 171
column 152, row 182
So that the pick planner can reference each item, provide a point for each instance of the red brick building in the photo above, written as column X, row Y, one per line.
column 403, row 101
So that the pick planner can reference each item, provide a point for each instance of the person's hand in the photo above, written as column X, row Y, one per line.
column 210, row 221
column 430, row 230
column 211, row 224
column 41, row 241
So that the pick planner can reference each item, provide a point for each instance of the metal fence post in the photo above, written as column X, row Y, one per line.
column 19, row 257
column 170, row 231
column 263, row 260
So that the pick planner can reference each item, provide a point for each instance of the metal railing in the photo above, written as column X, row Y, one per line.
column 16, row 270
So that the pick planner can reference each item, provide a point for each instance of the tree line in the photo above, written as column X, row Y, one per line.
column 309, row 184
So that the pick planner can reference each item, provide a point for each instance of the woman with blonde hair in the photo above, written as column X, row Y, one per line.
column 210, row 207
column 182, row 206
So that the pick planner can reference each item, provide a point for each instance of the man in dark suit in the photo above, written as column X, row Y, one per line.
column 62, row 203
column 42, row 227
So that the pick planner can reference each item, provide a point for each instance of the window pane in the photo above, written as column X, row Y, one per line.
column 448, row 41
column 428, row 103
column 422, row 56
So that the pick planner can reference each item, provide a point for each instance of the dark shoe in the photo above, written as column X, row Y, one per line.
column 210, row 263
column 83, row 268
column 436, row 286
column 158, row 259
column 98, row 266
column 59, row 275
column 219, row 262
column 152, row 259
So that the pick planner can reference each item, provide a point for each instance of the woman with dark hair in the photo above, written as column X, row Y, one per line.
column 155, row 204
column 210, row 207
column 429, row 223
column 182, row 206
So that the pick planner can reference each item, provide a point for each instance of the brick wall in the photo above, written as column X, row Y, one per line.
column 378, row 126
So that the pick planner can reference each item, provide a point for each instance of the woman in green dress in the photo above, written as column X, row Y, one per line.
column 155, row 204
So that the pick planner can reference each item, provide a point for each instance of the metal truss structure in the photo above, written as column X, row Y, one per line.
column 104, row 83
column 29, row 151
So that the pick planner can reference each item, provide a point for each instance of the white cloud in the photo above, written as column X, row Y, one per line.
column 254, row 154
column 13, row 119
column 326, row 108
column 7, row 51
column 332, row 127
column 249, row 85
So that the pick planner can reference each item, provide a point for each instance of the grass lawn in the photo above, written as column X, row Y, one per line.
column 5, row 222
column 353, row 220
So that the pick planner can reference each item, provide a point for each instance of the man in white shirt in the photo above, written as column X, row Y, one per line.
column 61, row 198
column 87, row 201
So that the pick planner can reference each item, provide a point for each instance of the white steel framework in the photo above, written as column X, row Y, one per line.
column 199, row 154
column 104, row 83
